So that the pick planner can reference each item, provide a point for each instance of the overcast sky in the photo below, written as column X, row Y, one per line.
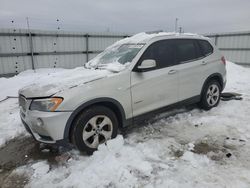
column 128, row 16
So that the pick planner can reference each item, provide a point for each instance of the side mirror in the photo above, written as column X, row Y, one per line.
column 147, row 64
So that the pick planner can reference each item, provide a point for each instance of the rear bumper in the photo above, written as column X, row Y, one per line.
column 46, row 127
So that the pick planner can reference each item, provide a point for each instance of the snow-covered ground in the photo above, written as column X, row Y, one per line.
column 191, row 148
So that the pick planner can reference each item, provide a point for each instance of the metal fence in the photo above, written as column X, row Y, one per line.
column 234, row 46
column 22, row 49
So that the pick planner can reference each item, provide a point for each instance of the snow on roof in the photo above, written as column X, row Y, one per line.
column 144, row 37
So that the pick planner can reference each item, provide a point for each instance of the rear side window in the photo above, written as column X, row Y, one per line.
column 162, row 52
column 185, row 50
column 206, row 47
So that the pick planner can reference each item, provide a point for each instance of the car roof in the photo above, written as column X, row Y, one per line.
column 146, row 37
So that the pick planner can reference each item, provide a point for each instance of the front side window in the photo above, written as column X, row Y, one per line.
column 162, row 52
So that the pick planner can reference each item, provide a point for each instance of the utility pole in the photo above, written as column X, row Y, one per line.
column 176, row 24
column 180, row 29
column 31, row 44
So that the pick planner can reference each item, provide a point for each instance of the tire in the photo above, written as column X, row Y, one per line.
column 93, row 127
column 210, row 96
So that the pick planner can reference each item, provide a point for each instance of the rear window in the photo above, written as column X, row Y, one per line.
column 206, row 47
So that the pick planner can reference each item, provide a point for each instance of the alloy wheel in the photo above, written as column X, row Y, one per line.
column 97, row 131
column 213, row 94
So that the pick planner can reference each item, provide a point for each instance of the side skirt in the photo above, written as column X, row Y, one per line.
column 150, row 114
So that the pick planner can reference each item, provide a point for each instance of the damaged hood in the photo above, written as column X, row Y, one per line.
column 53, row 83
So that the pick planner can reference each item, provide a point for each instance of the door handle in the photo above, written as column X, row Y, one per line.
column 203, row 62
column 172, row 72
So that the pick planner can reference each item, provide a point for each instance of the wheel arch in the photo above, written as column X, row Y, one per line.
column 216, row 76
column 113, row 104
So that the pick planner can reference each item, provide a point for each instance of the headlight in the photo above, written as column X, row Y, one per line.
column 47, row 105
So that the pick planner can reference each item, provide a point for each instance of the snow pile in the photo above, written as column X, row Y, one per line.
column 181, row 148
column 10, row 122
column 237, row 78
column 113, row 164
column 40, row 169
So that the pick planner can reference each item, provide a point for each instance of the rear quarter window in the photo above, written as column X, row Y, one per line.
column 206, row 47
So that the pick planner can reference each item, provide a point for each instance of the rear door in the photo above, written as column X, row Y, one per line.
column 156, row 87
column 191, row 68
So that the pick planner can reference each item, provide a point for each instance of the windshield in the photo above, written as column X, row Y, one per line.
column 121, row 55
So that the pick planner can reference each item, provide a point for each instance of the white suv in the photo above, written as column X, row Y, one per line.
column 134, row 77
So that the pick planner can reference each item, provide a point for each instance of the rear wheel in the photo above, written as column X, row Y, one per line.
column 210, row 95
column 94, row 126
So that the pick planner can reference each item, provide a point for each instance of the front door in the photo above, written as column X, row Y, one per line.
column 157, row 87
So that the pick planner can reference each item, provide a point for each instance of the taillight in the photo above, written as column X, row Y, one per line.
column 223, row 60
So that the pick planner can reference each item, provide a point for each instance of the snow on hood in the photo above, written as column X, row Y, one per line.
column 59, row 81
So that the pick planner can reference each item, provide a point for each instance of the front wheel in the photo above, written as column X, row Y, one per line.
column 94, row 126
column 210, row 95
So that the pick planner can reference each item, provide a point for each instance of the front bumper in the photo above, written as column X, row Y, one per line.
column 46, row 127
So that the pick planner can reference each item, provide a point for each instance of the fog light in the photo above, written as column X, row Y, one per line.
column 39, row 122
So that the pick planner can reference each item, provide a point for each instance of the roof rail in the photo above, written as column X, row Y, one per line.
column 153, row 32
